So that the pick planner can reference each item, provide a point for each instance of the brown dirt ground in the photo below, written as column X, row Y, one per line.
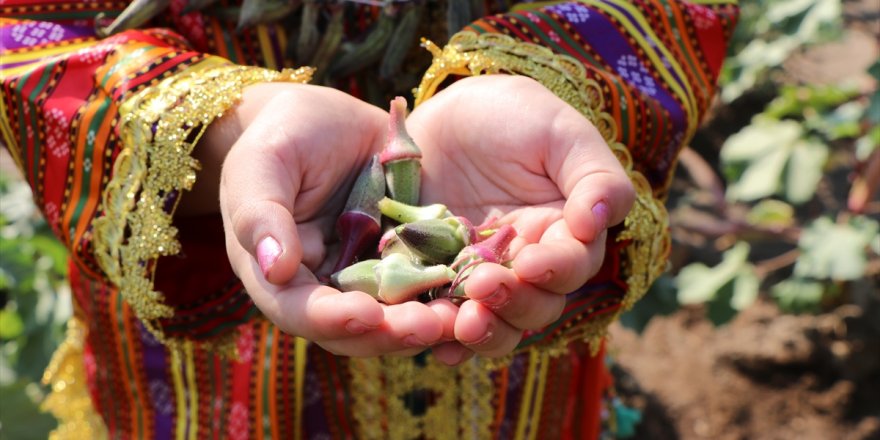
column 764, row 375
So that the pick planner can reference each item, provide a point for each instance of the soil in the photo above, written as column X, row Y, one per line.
column 765, row 374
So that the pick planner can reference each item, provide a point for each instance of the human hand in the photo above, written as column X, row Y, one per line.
column 283, row 184
column 505, row 145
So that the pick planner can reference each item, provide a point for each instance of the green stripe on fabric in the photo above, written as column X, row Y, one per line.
column 88, row 151
column 231, row 54
column 22, row 126
column 267, row 370
column 477, row 28
column 522, row 17
column 35, row 126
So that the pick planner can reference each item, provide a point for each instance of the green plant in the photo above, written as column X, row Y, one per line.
column 768, row 32
column 35, row 305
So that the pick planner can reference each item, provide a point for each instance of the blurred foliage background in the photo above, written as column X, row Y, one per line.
column 780, row 208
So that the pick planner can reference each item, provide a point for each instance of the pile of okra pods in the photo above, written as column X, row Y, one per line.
column 397, row 250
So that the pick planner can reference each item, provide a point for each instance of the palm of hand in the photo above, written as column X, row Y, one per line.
column 505, row 147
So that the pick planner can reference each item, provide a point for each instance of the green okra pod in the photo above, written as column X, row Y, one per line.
column 360, row 276
column 434, row 241
column 401, row 157
column 359, row 226
column 400, row 279
column 405, row 213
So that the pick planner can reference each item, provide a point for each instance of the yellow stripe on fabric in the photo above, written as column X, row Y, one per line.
column 535, row 422
column 299, row 380
column 266, row 46
column 17, row 71
column 38, row 54
column 193, row 391
column 687, row 97
column 179, row 394
column 526, row 400
column 11, row 141
column 715, row 2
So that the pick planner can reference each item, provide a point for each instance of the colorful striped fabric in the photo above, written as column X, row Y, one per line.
column 643, row 71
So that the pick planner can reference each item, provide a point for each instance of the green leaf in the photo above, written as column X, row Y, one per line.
column 11, row 325
column 720, row 310
column 771, row 213
column 745, row 288
column 835, row 251
column 798, row 295
column 868, row 143
column 759, row 139
column 873, row 110
column 804, row 170
column 698, row 283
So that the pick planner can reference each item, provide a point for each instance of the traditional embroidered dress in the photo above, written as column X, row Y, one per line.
column 165, row 343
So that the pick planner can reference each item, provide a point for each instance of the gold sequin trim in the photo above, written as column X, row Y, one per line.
column 159, row 127
column 460, row 399
column 469, row 54
column 69, row 400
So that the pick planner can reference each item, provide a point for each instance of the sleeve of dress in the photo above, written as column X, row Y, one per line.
column 103, row 128
column 644, row 73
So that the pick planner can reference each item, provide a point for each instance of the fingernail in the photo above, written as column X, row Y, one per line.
column 413, row 341
column 356, row 327
column 268, row 251
column 541, row 278
column 498, row 298
column 600, row 214
column 482, row 339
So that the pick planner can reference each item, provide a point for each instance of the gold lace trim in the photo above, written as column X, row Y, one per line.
column 69, row 400
column 159, row 127
column 461, row 399
column 464, row 394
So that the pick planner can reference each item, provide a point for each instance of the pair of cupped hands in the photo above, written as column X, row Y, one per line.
column 500, row 145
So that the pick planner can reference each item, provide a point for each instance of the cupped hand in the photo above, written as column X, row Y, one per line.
column 297, row 151
column 505, row 146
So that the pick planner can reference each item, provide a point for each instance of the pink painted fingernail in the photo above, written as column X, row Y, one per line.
column 268, row 251
column 600, row 214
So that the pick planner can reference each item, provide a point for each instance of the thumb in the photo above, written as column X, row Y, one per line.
column 258, row 188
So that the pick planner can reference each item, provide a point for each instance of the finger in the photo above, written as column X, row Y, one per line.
column 409, row 329
column 597, row 190
column 451, row 353
column 447, row 312
column 481, row 331
column 312, row 238
column 518, row 303
column 305, row 308
column 257, row 191
column 560, row 263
